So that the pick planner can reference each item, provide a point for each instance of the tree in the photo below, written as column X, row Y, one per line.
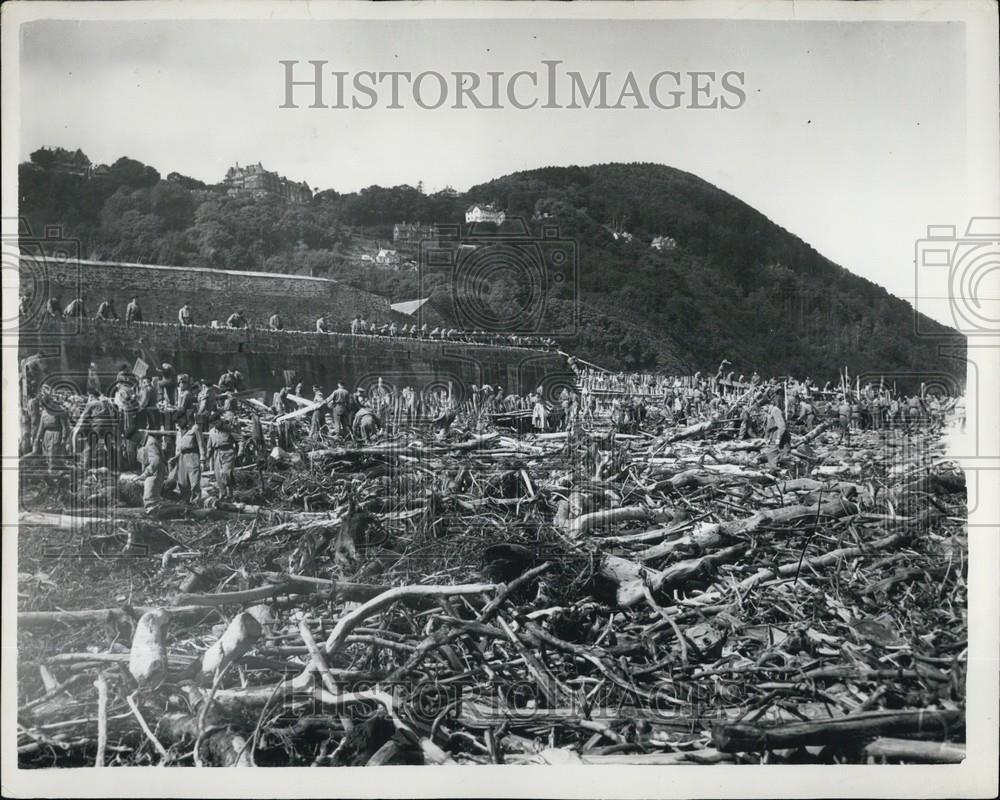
column 133, row 173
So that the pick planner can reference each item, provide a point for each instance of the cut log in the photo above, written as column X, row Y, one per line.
column 148, row 656
column 692, row 431
column 241, row 634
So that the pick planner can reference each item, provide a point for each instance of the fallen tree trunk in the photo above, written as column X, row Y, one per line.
column 354, row 618
column 612, row 516
column 291, row 585
column 741, row 737
column 799, row 440
column 692, row 430
column 824, row 560
column 44, row 619
column 837, row 507
column 704, row 536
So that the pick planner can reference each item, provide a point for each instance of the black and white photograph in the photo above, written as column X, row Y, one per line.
column 477, row 388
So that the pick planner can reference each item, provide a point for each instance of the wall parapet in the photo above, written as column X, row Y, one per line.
column 213, row 293
column 264, row 356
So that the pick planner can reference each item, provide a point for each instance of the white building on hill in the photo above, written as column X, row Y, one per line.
column 482, row 212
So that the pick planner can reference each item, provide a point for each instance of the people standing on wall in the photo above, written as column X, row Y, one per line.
column 106, row 311
column 132, row 311
column 184, row 315
column 75, row 308
column 275, row 323
column 321, row 326
column 237, row 320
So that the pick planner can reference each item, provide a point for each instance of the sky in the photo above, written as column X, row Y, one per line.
column 852, row 136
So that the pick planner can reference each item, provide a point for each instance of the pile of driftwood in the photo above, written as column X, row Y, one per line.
column 583, row 597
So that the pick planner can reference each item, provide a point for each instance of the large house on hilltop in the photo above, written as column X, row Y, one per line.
column 254, row 180
column 58, row 159
column 482, row 212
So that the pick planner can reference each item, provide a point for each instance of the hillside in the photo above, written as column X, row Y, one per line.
column 725, row 282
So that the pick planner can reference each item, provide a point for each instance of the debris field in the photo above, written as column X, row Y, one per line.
column 678, row 596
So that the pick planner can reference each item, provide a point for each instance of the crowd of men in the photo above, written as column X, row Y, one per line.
column 760, row 408
column 167, row 426
column 170, row 427
column 358, row 326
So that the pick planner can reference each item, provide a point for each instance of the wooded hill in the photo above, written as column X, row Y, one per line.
column 726, row 282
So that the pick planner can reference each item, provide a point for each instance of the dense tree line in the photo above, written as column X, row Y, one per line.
column 730, row 284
